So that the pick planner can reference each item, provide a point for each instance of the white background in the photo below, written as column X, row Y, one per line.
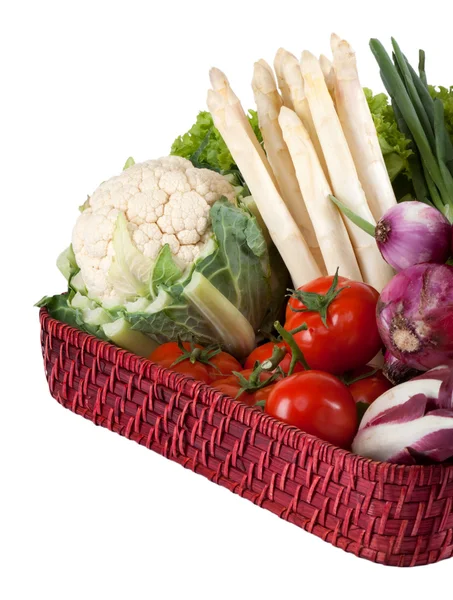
column 84, row 513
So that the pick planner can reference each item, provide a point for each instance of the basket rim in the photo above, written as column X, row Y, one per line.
column 355, row 464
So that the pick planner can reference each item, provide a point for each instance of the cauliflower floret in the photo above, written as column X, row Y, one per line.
column 165, row 201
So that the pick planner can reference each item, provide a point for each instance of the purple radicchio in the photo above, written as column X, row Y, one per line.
column 415, row 316
column 411, row 423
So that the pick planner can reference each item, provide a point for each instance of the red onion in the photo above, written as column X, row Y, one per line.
column 396, row 371
column 415, row 316
column 412, row 233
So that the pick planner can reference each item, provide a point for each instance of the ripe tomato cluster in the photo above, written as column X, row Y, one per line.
column 316, row 376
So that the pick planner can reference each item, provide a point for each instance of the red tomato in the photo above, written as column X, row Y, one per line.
column 196, row 370
column 367, row 389
column 264, row 352
column 166, row 354
column 224, row 364
column 318, row 403
column 231, row 386
column 351, row 337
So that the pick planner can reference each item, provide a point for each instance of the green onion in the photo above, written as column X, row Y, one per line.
column 422, row 120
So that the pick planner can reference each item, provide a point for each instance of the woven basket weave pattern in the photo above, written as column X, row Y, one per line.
column 394, row 515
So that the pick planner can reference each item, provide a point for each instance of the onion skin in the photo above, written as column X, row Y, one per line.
column 415, row 316
column 396, row 371
column 413, row 233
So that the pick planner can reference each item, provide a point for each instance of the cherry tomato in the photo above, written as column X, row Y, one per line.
column 231, row 386
column 196, row 370
column 350, row 337
column 166, row 354
column 367, row 389
column 318, row 403
column 223, row 364
column 264, row 352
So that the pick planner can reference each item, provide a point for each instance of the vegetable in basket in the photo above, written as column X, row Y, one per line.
column 252, row 386
column 166, row 248
column 366, row 384
column 415, row 316
column 359, row 130
column 422, row 119
column 316, row 402
column 230, row 119
column 411, row 423
column 340, row 314
column 342, row 170
column 252, row 395
column 269, row 104
column 265, row 351
column 408, row 234
column 205, row 364
column 396, row 371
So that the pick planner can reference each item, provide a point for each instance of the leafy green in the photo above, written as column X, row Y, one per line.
column 226, row 321
column 129, row 163
column 237, row 267
column 130, row 269
column 121, row 334
column 205, row 148
column 60, row 308
column 165, row 271
column 422, row 120
column 177, row 319
column 223, row 297
column 394, row 145
column 445, row 95
column 280, row 281
column 66, row 263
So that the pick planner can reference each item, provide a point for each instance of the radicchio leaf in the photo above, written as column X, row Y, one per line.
column 413, row 409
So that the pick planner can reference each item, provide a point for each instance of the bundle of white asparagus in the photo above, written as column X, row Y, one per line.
column 319, row 139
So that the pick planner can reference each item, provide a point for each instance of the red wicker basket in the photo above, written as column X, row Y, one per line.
column 389, row 514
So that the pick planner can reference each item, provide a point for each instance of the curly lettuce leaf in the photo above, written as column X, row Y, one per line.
column 446, row 96
column 394, row 145
column 204, row 146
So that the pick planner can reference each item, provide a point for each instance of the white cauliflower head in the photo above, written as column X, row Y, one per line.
column 164, row 201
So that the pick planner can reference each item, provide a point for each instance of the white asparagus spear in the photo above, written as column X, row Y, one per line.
column 284, row 232
column 343, row 175
column 293, row 77
column 282, row 84
column 359, row 129
column 221, row 85
column 295, row 83
column 330, row 229
column 329, row 74
column 268, row 68
column 269, row 103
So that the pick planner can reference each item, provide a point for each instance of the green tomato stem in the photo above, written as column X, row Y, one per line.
column 296, row 353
